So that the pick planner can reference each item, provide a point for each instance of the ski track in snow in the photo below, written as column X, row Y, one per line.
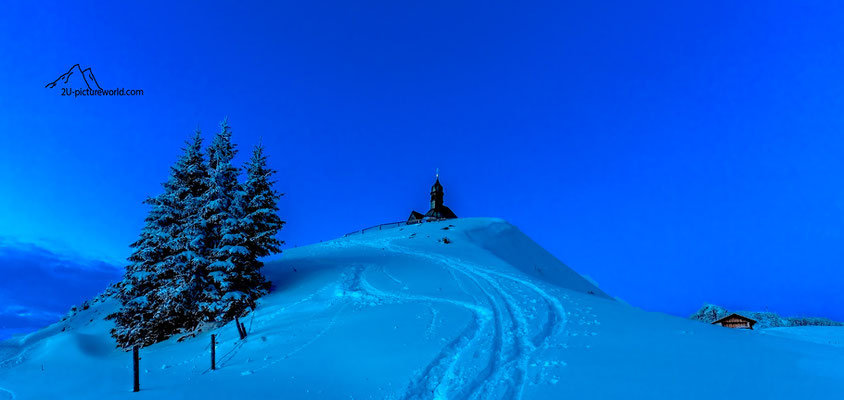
column 285, row 307
column 506, row 340
column 393, row 278
column 445, row 362
column 239, row 343
column 303, row 346
column 432, row 326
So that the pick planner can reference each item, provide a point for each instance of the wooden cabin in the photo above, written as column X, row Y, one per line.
column 735, row 321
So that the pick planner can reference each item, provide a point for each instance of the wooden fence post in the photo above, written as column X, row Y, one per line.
column 213, row 351
column 241, row 328
column 137, row 385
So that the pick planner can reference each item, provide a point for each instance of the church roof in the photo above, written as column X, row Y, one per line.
column 440, row 212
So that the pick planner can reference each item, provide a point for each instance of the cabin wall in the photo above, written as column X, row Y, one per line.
column 736, row 323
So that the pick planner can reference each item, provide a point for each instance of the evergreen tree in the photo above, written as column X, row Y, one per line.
column 198, row 255
column 165, row 273
column 261, row 206
column 189, row 259
column 136, row 322
column 247, row 235
column 222, row 299
column 241, row 282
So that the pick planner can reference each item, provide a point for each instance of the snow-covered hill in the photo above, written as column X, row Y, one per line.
column 404, row 314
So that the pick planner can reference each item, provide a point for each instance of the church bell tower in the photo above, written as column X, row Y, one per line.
column 436, row 194
column 438, row 210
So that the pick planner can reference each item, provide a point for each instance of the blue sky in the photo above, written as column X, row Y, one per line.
column 676, row 154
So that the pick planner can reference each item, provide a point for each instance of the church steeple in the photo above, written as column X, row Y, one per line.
column 438, row 211
column 437, row 194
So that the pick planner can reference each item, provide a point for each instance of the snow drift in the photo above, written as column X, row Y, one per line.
column 459, row 309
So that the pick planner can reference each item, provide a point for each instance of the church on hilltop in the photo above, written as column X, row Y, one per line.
column 438, row 211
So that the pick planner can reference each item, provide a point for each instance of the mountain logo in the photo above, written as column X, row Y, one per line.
column 75, row 72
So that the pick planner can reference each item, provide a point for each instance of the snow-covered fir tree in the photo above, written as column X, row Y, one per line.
column 241, row 282
column 226, row 295
column 137, row 323
column 261, row 206
column 247, row 235
column 190, row 243
column 166, row 271
column 198, row 256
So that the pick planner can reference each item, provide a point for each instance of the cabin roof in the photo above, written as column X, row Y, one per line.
column 751, row 320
